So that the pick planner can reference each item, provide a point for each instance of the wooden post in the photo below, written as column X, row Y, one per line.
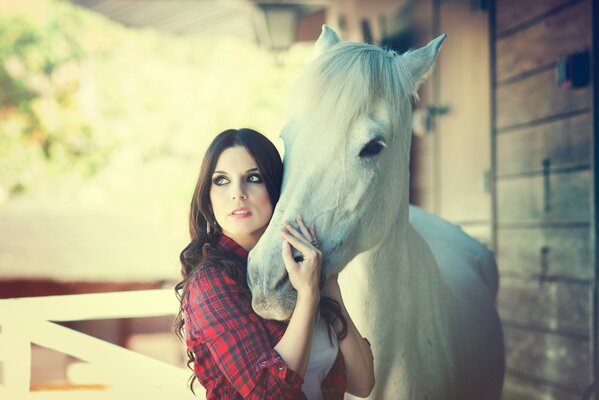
column 15, row 355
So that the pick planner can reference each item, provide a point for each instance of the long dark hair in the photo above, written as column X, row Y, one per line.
column 204, row 231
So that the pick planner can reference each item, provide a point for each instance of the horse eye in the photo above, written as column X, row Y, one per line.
column 372, row 148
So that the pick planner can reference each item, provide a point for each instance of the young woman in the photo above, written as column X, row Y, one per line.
column 235, row 354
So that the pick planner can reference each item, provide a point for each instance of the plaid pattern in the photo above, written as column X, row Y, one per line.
column 233, row 346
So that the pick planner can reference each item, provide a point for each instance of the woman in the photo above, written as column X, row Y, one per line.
column 235, row 353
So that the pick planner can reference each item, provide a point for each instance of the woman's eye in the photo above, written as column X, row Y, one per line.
column 254, row 178
column 372, row 148
column 220, row 180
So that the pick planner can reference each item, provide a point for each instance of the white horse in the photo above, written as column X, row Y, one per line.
column 421, row 290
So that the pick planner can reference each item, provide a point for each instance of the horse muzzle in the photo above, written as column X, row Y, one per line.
column 274, row 305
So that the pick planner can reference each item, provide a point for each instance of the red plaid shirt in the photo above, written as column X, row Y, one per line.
column 234, row 347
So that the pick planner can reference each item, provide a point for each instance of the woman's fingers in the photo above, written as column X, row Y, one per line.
column 288, row 259
column 313, row 233
column 303, row 229
column 298, row 242
column 305, row 234
column 293, row 231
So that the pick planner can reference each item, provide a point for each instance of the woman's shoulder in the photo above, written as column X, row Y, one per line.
column 210, row 274
column 206, row 270
column 213, row 294
column 206, row 283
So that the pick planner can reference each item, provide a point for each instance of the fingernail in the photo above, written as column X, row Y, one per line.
column 299, row 217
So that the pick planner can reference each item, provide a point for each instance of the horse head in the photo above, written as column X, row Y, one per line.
column 347, row 143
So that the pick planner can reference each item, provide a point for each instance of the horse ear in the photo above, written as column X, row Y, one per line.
column 327, row 39
column 420, row 61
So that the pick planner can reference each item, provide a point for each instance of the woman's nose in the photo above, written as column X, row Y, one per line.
column 239, row 192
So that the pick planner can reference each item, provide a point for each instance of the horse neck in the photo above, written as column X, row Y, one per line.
column 412, row 305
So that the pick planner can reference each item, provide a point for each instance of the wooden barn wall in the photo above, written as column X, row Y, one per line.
column 542, row 139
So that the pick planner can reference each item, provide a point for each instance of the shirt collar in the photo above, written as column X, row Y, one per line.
column 226, row 243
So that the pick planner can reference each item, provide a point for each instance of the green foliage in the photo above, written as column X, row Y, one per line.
column 43, row 132
column 87, row 106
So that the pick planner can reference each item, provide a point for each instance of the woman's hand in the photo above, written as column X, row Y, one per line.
column 304, row 275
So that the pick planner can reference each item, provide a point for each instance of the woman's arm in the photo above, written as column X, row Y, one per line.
column 356, row 350
column 294, row 346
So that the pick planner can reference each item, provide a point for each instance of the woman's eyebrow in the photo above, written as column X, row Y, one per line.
column 255, row 169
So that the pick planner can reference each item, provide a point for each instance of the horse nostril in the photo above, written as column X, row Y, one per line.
column 259, row 305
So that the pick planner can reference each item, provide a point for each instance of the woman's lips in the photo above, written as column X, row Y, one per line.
column 240, row 213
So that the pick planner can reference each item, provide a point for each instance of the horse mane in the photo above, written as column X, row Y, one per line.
column 345, row 82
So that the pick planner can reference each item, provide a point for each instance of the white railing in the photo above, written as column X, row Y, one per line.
column 127, row 374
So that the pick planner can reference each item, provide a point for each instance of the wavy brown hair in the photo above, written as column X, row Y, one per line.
column 205, row 232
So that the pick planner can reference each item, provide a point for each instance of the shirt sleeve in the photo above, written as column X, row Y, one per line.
column 236, row 338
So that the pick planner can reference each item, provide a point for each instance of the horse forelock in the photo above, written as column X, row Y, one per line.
column 341, row 86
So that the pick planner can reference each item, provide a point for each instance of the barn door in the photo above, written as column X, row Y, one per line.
column 463, row 144
column 454, row 155
column 542, row 143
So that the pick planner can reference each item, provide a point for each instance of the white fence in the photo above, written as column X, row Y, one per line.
column 127, row 374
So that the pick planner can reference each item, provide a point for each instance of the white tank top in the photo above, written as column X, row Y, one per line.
column 322, row 357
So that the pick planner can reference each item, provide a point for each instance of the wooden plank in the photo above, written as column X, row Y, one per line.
column 559, row 306
column 510, row 13
column 133, row 304
column 16, row 357
column 517, row 387
column 105, row 356
column 556, row 358
column 545, row 42
column 535, row 98
column 563, row 142
column 526, row 198
column 519, row 252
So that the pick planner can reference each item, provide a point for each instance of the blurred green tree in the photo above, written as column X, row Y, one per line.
column 88, row 106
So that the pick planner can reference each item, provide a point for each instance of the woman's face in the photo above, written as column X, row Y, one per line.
column 239, row 197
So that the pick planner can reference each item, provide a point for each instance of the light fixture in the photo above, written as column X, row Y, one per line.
column 277, row 25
